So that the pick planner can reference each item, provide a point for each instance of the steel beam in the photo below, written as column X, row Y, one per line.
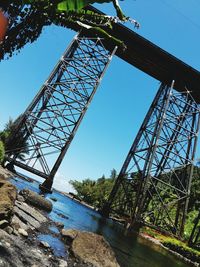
column 153, row 185
column 53, row 117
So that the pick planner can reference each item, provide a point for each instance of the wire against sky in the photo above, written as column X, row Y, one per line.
column 181, row 13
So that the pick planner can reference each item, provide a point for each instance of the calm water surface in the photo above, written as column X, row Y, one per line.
column 131, row 250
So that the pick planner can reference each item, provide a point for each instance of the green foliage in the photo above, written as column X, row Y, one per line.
column 27, row 19
column 192, row 215
column 67, row 5
column 97, row 192
column 14, row 140
column 174, row 244
column 2, row 152
column 182, row 248
column 194, row 203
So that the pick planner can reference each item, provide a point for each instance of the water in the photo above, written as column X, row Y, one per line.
column 131, row 250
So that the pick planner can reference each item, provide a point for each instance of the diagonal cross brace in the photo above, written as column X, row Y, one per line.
column 153, row 185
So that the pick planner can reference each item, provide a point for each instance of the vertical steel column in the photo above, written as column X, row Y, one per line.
column 153, row 185
column 53, row 117
column 194, row 239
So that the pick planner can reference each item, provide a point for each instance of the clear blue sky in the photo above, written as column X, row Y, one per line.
column 121, row 102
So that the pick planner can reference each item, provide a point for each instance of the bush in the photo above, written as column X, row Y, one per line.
column 182, row 249
column 2, row 151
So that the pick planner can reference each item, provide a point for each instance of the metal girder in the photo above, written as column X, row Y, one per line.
column 53, row 117
column 153, row 185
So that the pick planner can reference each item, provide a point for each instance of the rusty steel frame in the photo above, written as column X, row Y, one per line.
column 153, row 185
column 53, row 117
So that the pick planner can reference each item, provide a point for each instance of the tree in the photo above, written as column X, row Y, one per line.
column 93, row 192
column 28, row 17
column 14, row 141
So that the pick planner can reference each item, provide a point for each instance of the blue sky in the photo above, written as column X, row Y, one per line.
column 123, row 98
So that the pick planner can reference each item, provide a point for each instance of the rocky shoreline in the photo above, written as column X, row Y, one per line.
column 23, row 217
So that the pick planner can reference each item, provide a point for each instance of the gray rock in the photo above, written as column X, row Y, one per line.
column 36, row 200
column 15, row 232
column 3, row 223
column 22, row 232
column 44, row 244
column 60, row 225
column 20, row 198
column 26, row 218
column 17, row 223
column 31, row 211
column 63, row 263
column 9, row 230
column 15, row 252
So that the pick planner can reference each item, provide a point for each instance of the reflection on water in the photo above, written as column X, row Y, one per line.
column 131, row 250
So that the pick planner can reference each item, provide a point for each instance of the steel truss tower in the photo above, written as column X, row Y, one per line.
column 52, row 119
column 153, row 185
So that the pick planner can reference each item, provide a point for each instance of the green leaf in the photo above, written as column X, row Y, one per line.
column 70, row 5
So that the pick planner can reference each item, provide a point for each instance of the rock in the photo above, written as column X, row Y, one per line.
column 44, row 244
column 3, row 224
column 53, row 199
column 93, row 249
column 26, row 218
column 63, row 263
column 62, row 216
column 4, row 173
column 9, row 230
column 31, row 211
column 59, row 225
column 69, row 234
column 36, row 200
column 15, row 232
column 15, row 252
column 20, row 198
column 17, row 223
column 22, row 232
column 8, row 195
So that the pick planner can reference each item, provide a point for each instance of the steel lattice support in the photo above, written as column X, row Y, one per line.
column 53, row 117
column 153, row 185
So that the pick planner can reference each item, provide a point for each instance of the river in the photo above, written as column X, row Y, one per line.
column 130, row 249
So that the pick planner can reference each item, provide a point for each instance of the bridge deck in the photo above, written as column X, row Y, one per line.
column 155, row 61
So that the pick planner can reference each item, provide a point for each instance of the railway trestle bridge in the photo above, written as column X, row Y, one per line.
column 153, row 186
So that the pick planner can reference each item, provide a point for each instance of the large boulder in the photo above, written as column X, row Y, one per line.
column 36, row 200
column 8, row 195
column 91, row 248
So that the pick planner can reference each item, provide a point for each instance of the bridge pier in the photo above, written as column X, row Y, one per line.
column 153, row 186
column 52, row 119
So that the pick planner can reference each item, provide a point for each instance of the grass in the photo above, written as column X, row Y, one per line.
column 174, row 244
